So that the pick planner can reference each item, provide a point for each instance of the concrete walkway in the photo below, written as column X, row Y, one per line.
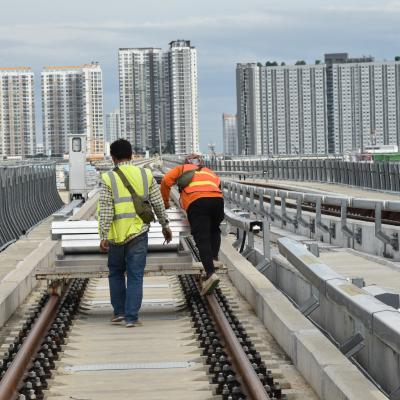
column 374, row 271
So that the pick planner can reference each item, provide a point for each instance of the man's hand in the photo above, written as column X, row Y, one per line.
column 167, row 205
column 104, row 246
column 167, row 234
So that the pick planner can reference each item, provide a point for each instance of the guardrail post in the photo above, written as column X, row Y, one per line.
column 318, row 221
column 343, row 223
column 380, row 235
column 285, row 217
column 266, row 227
column 299, row 216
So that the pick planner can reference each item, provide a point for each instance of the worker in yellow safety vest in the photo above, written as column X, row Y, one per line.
column 201, row 197
column 128, row 196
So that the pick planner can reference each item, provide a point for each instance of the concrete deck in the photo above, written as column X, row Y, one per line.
column 23, row 248
column 326, row 369
column 374, row 271
column 331, row 188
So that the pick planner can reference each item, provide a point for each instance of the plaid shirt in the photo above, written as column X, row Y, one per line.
column 106, row 208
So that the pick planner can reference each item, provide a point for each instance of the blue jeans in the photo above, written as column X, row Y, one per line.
column 126, row 295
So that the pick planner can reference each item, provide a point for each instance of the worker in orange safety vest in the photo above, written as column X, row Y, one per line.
column 201, row 197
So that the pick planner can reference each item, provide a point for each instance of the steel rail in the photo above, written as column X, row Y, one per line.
column 253, row 385
column 11, row 380
column 243, row 367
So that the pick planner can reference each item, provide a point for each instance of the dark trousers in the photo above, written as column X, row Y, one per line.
column 205, row 216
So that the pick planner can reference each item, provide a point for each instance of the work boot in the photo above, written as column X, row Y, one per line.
column 209, row 284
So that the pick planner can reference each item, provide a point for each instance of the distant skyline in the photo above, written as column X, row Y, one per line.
column 223, row 32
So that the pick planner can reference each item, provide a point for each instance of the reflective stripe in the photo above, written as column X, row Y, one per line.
column 202, row 183
column 207, row 173
column 117, row 198
column 126, row 215
column 145, row 184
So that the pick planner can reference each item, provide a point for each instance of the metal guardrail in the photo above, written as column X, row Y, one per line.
column 360, row 321
column 372, row 324
column 381, row 175
column 246, row 228
column 28, row 194
column 245, row 196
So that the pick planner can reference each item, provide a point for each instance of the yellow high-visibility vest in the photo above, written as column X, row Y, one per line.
column 126, row 222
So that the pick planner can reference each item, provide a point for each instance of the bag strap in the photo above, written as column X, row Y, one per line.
column 199, row 168
column 126, row 183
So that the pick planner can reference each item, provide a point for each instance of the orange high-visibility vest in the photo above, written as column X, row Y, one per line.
column 203, row 180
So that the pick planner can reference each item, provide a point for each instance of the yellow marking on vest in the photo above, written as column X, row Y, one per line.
column 202, row 183
column 207, row 173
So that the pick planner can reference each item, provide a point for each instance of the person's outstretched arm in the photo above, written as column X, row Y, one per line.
column 159, row 209
column 168, row 181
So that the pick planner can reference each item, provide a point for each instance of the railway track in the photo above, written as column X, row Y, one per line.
column 181, row 351
column 177, row 353
column 388, row 217
column 189, row 346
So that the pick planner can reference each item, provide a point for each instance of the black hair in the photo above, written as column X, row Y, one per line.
column 121, row 149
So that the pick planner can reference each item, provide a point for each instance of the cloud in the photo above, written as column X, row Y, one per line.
column 386, row 7
column 224, row 33
column 109, row 31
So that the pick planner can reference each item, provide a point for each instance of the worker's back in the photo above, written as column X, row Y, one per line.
column 204, row 183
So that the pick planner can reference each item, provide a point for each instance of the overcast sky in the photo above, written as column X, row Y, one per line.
column 71, row 32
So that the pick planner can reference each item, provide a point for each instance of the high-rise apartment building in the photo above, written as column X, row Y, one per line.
column 72, row 103
column 293, row 109
column 230, row 134
column 158, row 97
column 113, row 126
column 365, row 104
column 140, row 77
column 337, row 107
column 17, row 112
column 184, row 99
column 281, row 109
column 248, row 109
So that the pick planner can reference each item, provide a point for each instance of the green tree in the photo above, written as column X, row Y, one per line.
column 300, row 62
column 397, row 58
column 317, row 62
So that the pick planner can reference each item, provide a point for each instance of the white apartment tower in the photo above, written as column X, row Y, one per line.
column 113, row 126
column 141, row 96
column 293, row 109
column 230, row 134
column 366, row 105
column 281, row 109
column 339, row 107
column 17, row 112
column 158, row 98
column 72, row 103
column 184, row 98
